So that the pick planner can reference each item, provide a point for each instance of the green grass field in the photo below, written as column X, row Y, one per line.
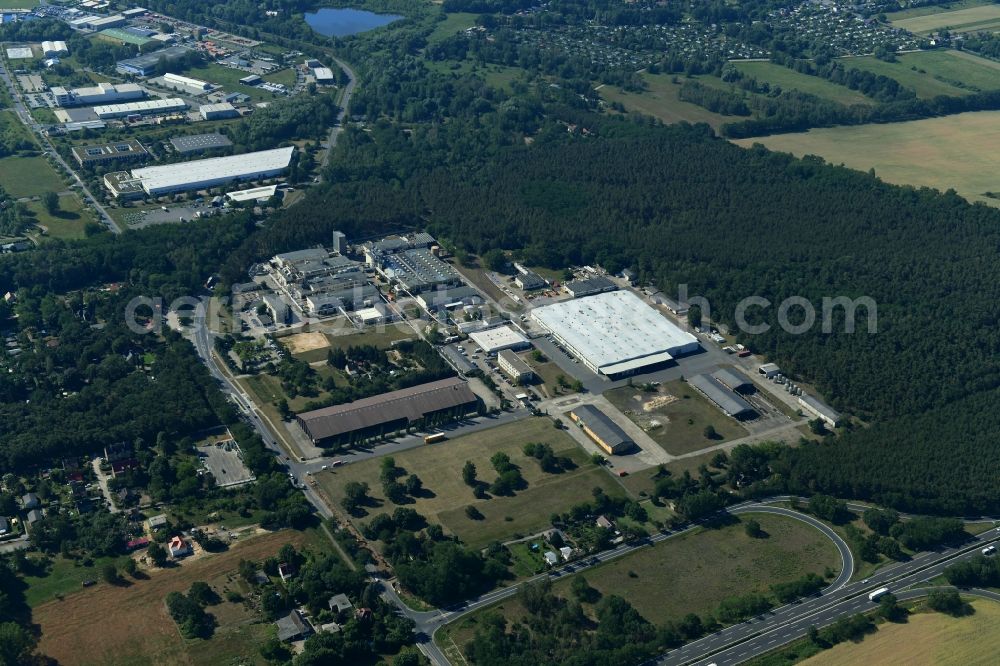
column 691, row 573
column 791, row 80
column 976, row 17
column 229, row 79
column 382, row 339
column 936, row 9
column 951, row 152
column 29, row 176
column 910, row 72
column 285, row 77
column 64, row 576
column 18, row 4
column 439, row 466
column 925, row 639
column 660, row 101
column 67, row 223
column 452, row 24
column 682, row 422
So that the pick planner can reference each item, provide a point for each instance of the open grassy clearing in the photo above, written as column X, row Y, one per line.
column 951, row 152
column 682, row 420
column 285, row 77
column 439, row 466
column 67, row 223
column 926, row 638
column 378, row 336
column 497, row 76
column 907, row 71
column 955, row 21
column 935, row 9
column 452, row 24
column 789, row 79
column 660, row 101
column 64, row 577
column 692, row 573
column 29, row 176
column 135, row 627
column 18, row 4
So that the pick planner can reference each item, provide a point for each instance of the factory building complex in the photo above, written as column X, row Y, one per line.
column 602, row 430
column 614, row 333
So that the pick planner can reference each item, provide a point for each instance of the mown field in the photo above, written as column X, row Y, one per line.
column 982, row 17
column 439, row 467
column 691, row 573
column 936, row 9
column 660, row 101
column 926, row 639
column 789, row 79
column 29, row 176
column 124, row 625
column 933, row 73
column 952, row 152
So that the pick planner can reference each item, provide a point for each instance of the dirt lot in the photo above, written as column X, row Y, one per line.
column 305, row 342
column 130, row 624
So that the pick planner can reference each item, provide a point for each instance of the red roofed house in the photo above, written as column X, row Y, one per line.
column 178, row 547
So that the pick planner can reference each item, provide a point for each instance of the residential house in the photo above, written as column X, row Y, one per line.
column 178, row 547
column 34, row 516
column 551, row 558
column 136, row 544
column 293, row 627
column 339, row 603
column 566, row 552
column 604, row 522
column 286, row 570
column 30, row 501
column 157, row 522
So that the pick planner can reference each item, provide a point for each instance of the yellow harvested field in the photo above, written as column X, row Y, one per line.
column 959, row 151
column 973, row 18
column 930, row 639
column 303, row 342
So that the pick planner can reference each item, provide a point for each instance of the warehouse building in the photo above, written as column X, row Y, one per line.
column 278, row 308
column 219, row 111
column 146, row 64
column 821, row 410
column 323, row 75
column 144, row 108
column 123, row 186
column 251, row 80
column 494, row 340
column 253, row 194
column 119, row 151
column 615, row 334
column 425, row 404
column 515, row 367
column 599, row 427
column 200, row 174
column 199, row 143
column 529, row 281
column 449, row 298
column 184, row 82
column 590, row 286
column 98, row 22
column 54, row 48
column 734, row 380
column 102, row 93
column 723, row 398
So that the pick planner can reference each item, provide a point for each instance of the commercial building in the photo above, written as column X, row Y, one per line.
column 726, row 400
column 177, row 80
column 127, row 36
column 98, row 22
column 279, row 309
column 200, row 143
column 515, row 367
column 323, row 75
column 145, row 108
column 449, row 298
column 329, row 294
column 123, row 186
column 251, row 80
column 54, row 48
column 389, row 412
column 200, row 174
column 494, row 340
column 102, row 93
column 599, row 427
column 410, row 264
column 590, row 286
column 219, row 111
column 769, row 370
column 120, row 151
column 146, row 64
column 615, row 333
column 253, row 194
column 821, row 410
column 529, row 281
column 734, row 380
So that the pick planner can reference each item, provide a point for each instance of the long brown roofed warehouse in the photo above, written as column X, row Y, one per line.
column 388, row 412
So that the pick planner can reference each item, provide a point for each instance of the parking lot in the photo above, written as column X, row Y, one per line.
column 224, row 461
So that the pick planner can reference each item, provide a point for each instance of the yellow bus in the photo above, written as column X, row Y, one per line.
column 435, row 438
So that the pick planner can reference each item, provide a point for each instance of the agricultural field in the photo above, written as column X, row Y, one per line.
column 675, row 416
column 660, row 101
column 135, row 627
column 982, row 17
column 29, row 176
column 951, row 152
column 933, row 73
column 936, row 9
column 439, row 467
column 778, row 75
column 924, row 639
column 693, row 572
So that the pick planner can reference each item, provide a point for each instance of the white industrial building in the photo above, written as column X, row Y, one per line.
column 614, row 333
column 54, row 48
column 494, row 340
column 140, row 108
column 199, row 174
column 218, row 111
column 253, row 194
column 102, row 93
column 323, row 74
column 186, row 82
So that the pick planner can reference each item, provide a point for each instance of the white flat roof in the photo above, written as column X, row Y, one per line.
column 213, row 169
column 495, row 339
column 323, row 73
column 169, row 104
column 615, row 332
column 253, row 194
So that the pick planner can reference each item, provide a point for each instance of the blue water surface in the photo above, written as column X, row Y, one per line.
column 343, row 22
